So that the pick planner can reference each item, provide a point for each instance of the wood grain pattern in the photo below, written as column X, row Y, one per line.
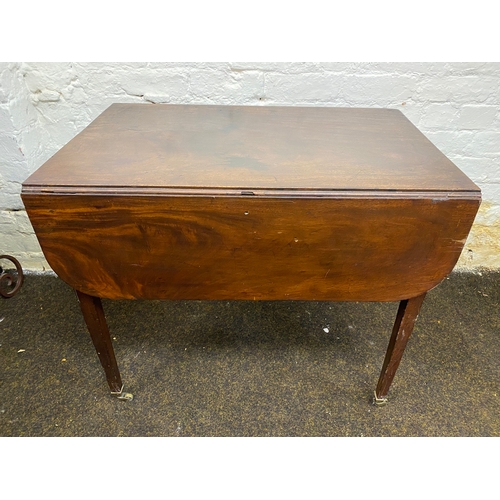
column 255, row 203
column 251, row 147
column 403, row 327
column 251, row 247
column 93, row 315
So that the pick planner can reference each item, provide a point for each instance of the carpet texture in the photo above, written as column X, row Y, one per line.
column 251, row 368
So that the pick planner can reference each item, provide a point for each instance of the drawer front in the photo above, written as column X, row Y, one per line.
column 253, row 248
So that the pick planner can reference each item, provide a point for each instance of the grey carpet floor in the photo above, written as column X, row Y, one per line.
column 251, row 368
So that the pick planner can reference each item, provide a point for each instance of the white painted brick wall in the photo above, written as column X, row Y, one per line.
column 477, row 117
column 457, row 106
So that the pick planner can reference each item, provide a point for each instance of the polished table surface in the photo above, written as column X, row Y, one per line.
column 254, row 203
column 244, row 147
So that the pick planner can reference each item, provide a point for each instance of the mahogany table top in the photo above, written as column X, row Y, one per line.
column 201, row 147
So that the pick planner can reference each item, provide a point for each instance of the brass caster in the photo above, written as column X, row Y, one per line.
column 124, row 396
column 378, row 401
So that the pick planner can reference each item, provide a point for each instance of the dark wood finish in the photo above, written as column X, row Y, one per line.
column 401, row 332
column 257, row 203
column 247, row 147
column 93, row 315
column 256, row 248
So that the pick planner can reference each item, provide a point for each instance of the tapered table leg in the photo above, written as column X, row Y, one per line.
column 93, row 314
column 403, row 327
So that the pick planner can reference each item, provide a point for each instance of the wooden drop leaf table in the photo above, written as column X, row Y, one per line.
column 251, row 203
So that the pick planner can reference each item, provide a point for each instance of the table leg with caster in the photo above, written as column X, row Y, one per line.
column 93, row 315
column 403, row 327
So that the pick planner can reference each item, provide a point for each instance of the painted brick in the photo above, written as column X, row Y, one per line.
column 44, row 105
column 460, row 90
column 153, row 66
column 480, row 170
column 401, row 68
column 47, row 76
column 285, row 68
column 450, row 142
column 10, row 155
column 473, row 68
column 10, row 200
column 484, row 143
column 225, row 88
column 436, row 69
column 5, row 121
column 481, row 248
column 12, row 244
column 377, row 90
column 477, row 117
column 168, row 83
column 23, row 114
column 488, row 215
column 13, row 171
column 491, row 192
column 33, row 262
column 7, row 75
column 299, row 89
column 46, row 96
column 440, row 116
column 412, row 111
column 13, row 224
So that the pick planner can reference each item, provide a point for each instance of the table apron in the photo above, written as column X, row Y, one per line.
column 251, row 248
